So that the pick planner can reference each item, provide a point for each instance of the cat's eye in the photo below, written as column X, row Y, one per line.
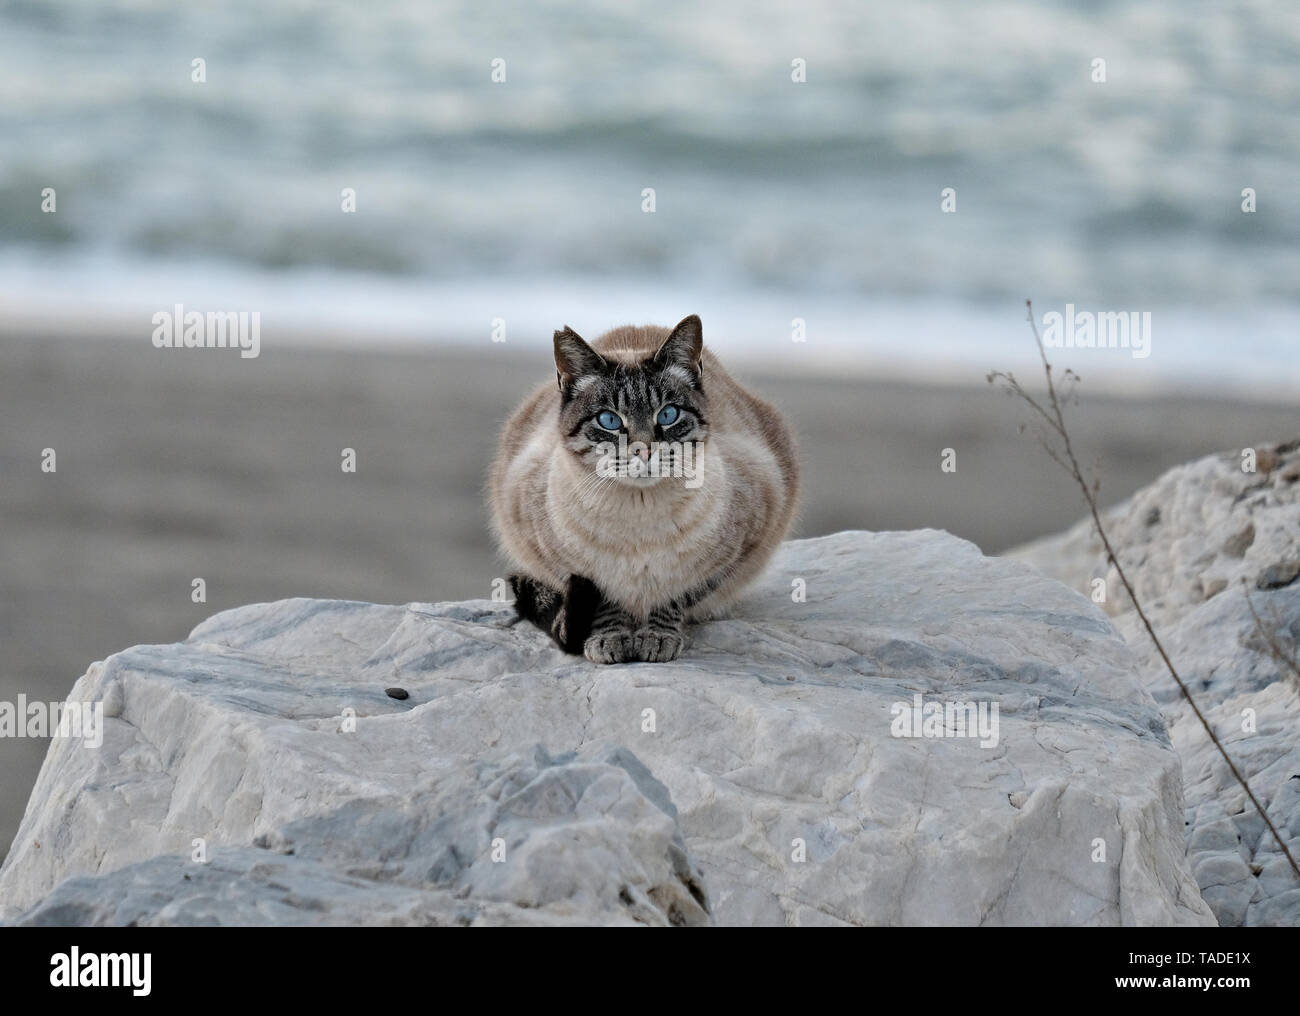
column 668, row 416
column 609, row 421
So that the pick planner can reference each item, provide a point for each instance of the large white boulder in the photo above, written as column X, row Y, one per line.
column 1195, row 544
column 497, row 840
column 780, row 793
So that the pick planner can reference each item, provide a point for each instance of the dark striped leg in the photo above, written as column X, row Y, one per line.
column 662, row 637
column 610, row 638
column 566, row 616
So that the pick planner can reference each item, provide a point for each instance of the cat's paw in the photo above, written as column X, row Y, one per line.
column 657, row 645
column 609, row 647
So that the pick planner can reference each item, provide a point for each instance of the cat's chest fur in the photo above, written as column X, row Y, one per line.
column 645, row 546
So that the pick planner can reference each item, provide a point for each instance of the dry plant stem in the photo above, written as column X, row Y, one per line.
column 1288, row 660
column 1066, row 459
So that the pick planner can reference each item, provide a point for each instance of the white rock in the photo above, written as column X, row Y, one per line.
column 246, row 887
column 772, row 734
column 563, row 841
column 1187, row 542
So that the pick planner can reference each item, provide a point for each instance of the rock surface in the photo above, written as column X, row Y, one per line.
column 779, row 793
column 603, row 834
column 1195, row 545
column 245, row 887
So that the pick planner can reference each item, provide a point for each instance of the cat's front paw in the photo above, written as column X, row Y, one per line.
column 657, row 645
column 609, row 647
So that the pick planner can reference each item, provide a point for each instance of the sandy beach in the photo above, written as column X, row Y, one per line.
column 177, row 465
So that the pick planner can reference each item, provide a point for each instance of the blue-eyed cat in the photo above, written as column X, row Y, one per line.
column 641, row 490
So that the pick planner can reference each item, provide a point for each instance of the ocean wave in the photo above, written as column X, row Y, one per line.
column 1121, row 193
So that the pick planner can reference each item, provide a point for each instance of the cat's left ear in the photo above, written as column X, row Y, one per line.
column 684, row 347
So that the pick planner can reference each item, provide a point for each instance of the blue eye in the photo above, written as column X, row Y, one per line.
column 609, row 421
column 668, row 416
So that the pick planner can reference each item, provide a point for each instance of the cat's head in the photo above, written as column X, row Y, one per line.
column 638, row 423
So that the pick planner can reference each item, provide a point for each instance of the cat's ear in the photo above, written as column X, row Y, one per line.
column 574, row 358
column 684, row 346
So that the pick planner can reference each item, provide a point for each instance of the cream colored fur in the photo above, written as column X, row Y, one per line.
column 645, row 546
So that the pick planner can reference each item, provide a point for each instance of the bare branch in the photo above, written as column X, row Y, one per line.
column 1289, row 660
column 1064, row 456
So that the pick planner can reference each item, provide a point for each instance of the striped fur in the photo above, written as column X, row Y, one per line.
column 624, row 563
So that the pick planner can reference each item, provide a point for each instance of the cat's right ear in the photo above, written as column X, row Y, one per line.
column 574, row 358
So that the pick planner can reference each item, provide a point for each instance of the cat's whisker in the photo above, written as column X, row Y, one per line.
column 586, row 483
column 594, row 486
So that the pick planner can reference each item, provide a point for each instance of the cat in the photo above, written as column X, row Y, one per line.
column 641, row 491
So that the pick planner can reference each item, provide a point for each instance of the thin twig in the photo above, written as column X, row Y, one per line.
column 1288, row 660
column 1065, row 457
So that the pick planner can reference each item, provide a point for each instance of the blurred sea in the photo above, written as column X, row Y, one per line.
column 522, row 200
